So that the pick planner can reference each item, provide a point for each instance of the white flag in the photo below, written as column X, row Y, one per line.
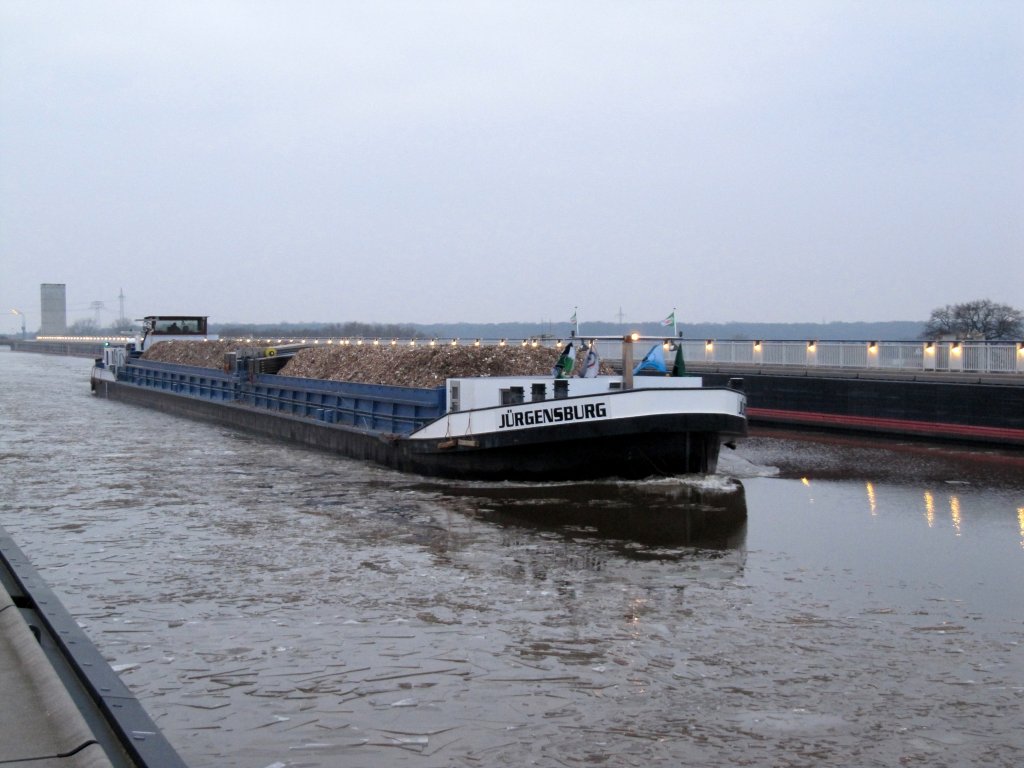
column 591, row 363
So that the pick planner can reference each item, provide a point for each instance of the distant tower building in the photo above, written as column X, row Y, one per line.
column 55, row 309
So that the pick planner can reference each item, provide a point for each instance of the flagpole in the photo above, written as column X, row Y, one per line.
column 576, row 319
column 675, row 332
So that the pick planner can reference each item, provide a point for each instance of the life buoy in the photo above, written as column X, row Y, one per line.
column 269, row 352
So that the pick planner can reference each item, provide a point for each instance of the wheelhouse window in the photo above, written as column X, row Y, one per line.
column 176, row 325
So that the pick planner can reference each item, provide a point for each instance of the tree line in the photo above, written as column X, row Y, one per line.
column 981, row 319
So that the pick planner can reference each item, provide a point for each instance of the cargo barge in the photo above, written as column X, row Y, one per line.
column 550, row 427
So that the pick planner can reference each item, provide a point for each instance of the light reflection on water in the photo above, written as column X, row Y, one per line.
column 275, row 605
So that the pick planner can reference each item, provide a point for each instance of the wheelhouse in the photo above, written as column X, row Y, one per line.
column 174, row 325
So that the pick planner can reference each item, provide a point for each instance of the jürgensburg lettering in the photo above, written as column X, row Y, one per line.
column 555, row 415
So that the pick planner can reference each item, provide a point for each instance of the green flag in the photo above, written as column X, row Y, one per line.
column 679, row 367
column 566, row 361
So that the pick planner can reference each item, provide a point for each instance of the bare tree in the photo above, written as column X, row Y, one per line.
column 981, row 319
column 122, row 325
column 84, row 327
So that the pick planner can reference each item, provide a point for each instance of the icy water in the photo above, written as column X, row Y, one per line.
column 274, row 606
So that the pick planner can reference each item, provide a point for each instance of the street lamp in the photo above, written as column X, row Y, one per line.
column 22, row 314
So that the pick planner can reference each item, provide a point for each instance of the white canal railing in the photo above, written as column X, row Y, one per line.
column 943, row 356
column 947, row 356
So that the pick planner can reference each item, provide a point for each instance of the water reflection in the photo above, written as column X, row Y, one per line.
column 953, row 488
column 935, row 507
column 643, row 520
column 954, row 513
column 929, row 508
column 812, row 456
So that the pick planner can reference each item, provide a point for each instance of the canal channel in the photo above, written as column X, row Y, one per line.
column 824, row 601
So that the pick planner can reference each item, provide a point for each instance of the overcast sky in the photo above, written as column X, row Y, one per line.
column 483, row 161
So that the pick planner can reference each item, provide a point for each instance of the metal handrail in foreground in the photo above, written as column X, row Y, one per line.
column 123, row 729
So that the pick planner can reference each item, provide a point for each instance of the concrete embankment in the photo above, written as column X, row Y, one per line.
column 981, row 408
column 64, row 348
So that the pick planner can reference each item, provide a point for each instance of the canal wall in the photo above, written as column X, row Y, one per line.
column 91, row 349
column 986, row 409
